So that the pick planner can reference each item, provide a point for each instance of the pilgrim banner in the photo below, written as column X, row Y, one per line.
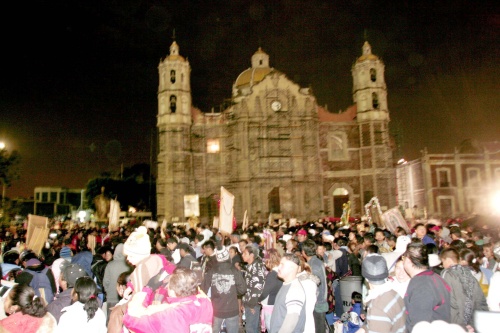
column 114, row 215
column 35, row 221
column 226, row 212
column 38, row 239
column 394, row 219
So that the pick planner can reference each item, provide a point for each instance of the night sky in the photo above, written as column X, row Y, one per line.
column 79, row 78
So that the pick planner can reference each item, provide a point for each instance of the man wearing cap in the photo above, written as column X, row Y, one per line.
column 301, row 238
column 69, row 274
column 385, row 308
column 289, row 312
column 428, row 295
column 226, row 284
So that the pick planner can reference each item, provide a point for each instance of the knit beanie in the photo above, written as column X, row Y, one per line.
column 374, row 269
column 222, row 254
column 65, row 253
column 138, row 243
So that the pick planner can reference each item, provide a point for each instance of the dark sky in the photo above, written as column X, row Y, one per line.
column 79, row 78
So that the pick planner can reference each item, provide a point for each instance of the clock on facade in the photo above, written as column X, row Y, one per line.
column 276, row 105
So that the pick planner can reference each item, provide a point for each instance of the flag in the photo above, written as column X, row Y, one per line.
column 226, row 211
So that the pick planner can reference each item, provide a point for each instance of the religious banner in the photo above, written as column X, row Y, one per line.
column 215, row 223
column 114, row 215
column 245, row 220
column 226, row 212
column 268, row 239
column 393, row 219
column 191, row 205
column 35, row 221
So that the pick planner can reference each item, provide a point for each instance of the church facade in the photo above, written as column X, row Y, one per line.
column 274, row 147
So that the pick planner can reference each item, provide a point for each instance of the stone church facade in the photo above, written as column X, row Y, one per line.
column 274, row 148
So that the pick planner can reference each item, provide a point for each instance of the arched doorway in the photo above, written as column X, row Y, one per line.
column 340, row 197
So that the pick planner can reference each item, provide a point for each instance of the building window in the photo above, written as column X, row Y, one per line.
column 53, row 196
column 45, row 197
column 37, row 196
column 213, row 146
column 375, row 103
column 373, row 74
column 473, row 178
column 337, row 147
column 173, row 103
column 172, row 76
column 443, row 177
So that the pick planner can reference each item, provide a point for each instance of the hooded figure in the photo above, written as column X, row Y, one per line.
column 113, row 270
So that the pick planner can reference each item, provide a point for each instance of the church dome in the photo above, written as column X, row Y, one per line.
column 174, row 53
column 367, row 53
column 260, row 68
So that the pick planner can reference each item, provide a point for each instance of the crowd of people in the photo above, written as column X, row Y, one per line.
column 267, row 278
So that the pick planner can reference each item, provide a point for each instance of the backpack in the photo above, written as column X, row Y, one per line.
column 43, row 283
column 342, row 264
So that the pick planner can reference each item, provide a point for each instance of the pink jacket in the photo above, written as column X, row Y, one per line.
column 192, row 314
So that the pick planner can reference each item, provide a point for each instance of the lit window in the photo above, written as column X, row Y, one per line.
column 213, row 146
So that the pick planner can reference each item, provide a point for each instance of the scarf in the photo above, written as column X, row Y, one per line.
column 468, row 281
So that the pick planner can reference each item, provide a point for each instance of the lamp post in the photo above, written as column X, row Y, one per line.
column 2, row 147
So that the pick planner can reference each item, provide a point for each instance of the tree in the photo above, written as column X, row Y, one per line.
column 9, row 171
column 133, row 188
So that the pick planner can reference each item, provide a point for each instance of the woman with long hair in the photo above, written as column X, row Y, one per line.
column 26, row 312
column 84, row 315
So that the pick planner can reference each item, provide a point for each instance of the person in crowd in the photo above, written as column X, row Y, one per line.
column 310, row 284
column 184, row 309
column 11, row 261
column 56, row 271
column 318, row 269
column 470, row 260
column 494, row 289
column 488, row 261
column 291, row 245
column 301, row 238
column 401, row 279
column 235, row 257
column 121, row 286
column 421, row 233
column 172, row 253
column 67, row 279
column 385, row 307
column 208, row 259
column 289, row 313
column 113, row 270
column 254, row 278
column 381, row 242
column 226, row 284
column 466, row 294
column 26, row 313
column 39, row 277
column 84, row 314
column 186, row 258
column 66, row 253
column 428, row 295
column 272, row 285
column 99, row 263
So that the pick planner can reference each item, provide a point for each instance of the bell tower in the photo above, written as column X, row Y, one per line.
column 174, row 130
column 370, row 96
column 369, row 89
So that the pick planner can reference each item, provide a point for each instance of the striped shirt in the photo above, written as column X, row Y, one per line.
column 386, row 314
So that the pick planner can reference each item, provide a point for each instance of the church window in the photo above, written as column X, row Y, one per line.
column 443, row 177
column 337, row 147
column 473, row 178
column 173, row 103
column 260, row 62
column 182, row 77
column 373, row 74
column 172, row 76
column 213, row 146
column 375, row 102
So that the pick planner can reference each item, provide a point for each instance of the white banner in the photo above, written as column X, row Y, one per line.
column 114, row 215
column 226, row 212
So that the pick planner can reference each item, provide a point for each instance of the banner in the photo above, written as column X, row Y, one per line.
column 191, row 205
column 245, row 221
column 114, row 215
column 226, row 212
column 35, row 221
column 394, row 219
